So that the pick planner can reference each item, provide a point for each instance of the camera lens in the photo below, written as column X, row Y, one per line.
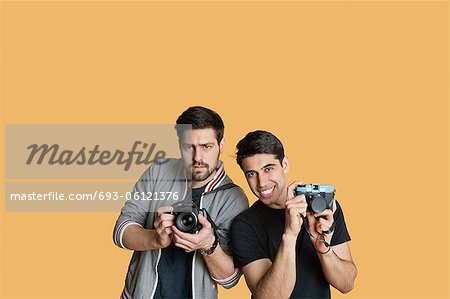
column 186, row 222
column 318, row 204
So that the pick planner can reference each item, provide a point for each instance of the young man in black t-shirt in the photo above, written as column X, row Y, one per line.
column 279, row 256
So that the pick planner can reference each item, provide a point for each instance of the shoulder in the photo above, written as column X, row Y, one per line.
column 250, row 215
column 167, row 164
column 232, row 194
column 235, row 191
column 162, row 171
column 341, row 233
column 166, row 167
column 339, row 212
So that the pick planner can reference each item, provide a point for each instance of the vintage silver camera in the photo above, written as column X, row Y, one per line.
column 319, row 197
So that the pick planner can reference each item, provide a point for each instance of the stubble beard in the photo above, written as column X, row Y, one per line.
column 201, row 176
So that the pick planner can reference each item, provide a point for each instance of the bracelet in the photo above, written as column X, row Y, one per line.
column 213, row 246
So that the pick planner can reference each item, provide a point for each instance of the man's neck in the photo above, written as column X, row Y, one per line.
column 280, row 203
column 276, row 206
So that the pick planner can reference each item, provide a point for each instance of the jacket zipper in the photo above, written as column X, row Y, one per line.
column 156, row 270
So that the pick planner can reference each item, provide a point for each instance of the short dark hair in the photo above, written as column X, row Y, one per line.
column 259, row 142
column 200, row 118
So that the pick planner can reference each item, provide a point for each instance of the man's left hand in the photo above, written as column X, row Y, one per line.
column 319, row 223
column 203, row 240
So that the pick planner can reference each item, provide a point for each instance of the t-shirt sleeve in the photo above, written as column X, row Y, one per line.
column 340, row 234
column 245, row 243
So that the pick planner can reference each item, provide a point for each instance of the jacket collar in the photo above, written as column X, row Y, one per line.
column 217, row 179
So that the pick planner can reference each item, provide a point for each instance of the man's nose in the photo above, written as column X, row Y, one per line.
column 197, row 155
column 262, row 180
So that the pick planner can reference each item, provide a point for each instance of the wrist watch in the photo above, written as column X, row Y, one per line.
column 213, row 246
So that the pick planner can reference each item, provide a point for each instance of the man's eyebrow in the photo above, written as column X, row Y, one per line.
column 265, row 166
column 268, row 165
column 200, row 144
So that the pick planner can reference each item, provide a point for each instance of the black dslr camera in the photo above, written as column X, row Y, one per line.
column 318, row 197
column 186, row 216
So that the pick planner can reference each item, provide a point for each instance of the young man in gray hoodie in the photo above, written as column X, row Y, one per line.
column 169, row 263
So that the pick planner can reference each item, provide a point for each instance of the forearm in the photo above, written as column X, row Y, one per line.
column 279, row 281
column 220, row 265
column 140, row 239
column 339, row 273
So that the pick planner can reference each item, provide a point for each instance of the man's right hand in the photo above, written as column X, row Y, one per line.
column 295, row 207
column 163, row 223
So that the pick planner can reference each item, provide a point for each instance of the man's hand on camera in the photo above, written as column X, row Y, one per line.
column 295, row 207
column 320, row 225
column 190, row 242
column 163, row 226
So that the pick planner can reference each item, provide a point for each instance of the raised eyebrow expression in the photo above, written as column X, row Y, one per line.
column 266, row 167
column 204, row 145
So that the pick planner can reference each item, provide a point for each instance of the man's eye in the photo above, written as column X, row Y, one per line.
column 250, row 174
column 187, row 147
column 268, row 169
column 207, row 146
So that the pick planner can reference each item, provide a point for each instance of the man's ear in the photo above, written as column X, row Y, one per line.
column 222, row 145
column 285, row 164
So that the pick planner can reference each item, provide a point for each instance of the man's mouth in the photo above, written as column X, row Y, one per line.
column 198, row 167
column 267, row 193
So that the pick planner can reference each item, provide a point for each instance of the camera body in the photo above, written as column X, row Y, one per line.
column 186, row 216
column 319, row 197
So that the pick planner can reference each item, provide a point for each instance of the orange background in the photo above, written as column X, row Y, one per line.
column 357, row 91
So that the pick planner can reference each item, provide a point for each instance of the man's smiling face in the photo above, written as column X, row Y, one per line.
column 266, row 177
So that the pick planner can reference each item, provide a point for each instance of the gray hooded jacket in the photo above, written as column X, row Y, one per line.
column 222, row 205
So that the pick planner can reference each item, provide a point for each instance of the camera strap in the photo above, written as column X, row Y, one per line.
column 208, row 217
column 321, row 240
column 223, row 187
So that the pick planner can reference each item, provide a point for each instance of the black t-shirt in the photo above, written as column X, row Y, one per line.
column 175, row 265
column 256, row 234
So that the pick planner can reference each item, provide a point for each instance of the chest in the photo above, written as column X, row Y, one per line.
column 270, row 232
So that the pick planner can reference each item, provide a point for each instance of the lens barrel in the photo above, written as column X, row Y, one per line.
column 186, row 222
